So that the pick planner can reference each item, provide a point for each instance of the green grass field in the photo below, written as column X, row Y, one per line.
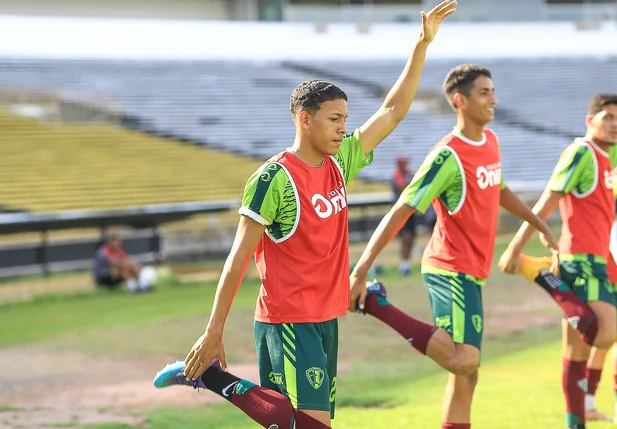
column 58, row 344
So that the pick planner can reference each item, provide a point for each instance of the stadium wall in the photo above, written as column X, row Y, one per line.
column 472, row 11
column 48, row 37
column 162, row 9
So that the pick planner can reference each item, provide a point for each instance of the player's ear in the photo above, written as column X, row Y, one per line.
column 459, row 99
column 589, row 120
column 304, row 119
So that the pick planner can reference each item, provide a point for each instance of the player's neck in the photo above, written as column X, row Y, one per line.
column 306, row 153
column 470, row 130
column 601, row 144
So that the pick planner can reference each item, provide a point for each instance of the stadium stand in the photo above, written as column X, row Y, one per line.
column 241, row 107
column 47, row 167
column 542, row 103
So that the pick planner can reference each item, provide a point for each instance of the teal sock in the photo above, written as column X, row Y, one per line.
column 572, row 420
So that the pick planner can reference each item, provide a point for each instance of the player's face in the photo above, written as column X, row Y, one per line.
column 603, row 126
column 480, row 105
column 328, row 126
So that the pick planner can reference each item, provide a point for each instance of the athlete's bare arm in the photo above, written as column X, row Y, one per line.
column 210, row 344
column 510, row 260
column 389, row 226
column 398, row 100
column 514, row 205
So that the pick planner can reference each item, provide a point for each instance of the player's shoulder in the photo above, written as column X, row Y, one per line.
column 575, row 151
column 352, row 134
column 445, row 142
column 490, row 133
column 441, row 152
column 443, row 145
column 101, row 252
column 277, row 158
column 350, row 138
column 578, row 146
column 273, row 168
column 280, row 161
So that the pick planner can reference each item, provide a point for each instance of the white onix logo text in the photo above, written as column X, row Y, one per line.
column 489, row 175
column 608, row 179
column 334, row 202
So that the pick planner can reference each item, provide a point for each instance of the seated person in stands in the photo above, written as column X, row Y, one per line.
column 112, row 266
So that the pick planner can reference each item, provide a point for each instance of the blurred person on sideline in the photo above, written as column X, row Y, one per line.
column 112, row 267
column 400, row 179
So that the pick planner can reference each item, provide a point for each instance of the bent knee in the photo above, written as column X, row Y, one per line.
column 605, row 339
column 464, row 365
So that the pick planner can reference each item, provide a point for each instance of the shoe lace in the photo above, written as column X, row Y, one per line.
column 180, row 378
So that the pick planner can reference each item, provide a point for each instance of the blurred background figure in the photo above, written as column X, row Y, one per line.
column 113, row 267
column 401, row 178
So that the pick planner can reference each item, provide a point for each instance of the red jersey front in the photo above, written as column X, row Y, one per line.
column 114, row 254
column 587, row 210
column 462, row 179
column 303, row 259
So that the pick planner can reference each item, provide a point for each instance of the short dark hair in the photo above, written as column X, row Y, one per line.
column 599, row 102
column 309, row 95
column 461, row 79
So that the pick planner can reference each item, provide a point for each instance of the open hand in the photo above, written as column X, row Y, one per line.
column 509, row 262
column 207, row 348
column 432, row 20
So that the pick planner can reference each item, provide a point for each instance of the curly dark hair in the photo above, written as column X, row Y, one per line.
column 309, row 95
column 461, row 79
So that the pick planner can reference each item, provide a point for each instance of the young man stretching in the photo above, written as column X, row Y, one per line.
column 294, row 219
column 582, row 187
column 461, row 176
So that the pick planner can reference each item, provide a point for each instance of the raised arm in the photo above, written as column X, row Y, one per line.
column 398, row 100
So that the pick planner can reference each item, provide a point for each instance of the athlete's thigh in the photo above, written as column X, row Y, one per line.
column 267, row 340
column 329, row 334
column 115, row 272
column 456, row 303
column 607, row 321
column 299, row 362
column 587, row 278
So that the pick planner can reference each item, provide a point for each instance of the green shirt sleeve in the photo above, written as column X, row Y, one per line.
column 350, row 156
column 263, row 193
column 438, row 173
column 612, row 153
column 575, row 170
